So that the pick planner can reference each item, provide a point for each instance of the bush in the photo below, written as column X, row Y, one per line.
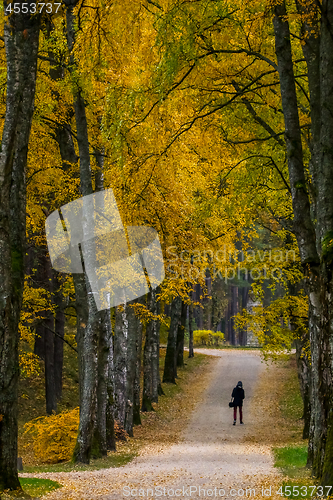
column 54, row 437
column 208, row 338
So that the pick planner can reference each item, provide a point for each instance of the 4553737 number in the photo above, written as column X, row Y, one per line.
column 304, row 491
column 32, row 8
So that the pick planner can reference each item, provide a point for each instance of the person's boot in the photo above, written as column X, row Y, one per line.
column 234, row 422
column 242, row 423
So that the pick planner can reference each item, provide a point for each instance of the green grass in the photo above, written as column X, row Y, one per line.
column 33, row 488
column 38, row 487
column 291, row 459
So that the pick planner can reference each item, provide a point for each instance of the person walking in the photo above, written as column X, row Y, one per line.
column 237, row 396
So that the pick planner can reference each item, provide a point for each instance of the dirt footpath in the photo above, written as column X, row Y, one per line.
column 212, row 459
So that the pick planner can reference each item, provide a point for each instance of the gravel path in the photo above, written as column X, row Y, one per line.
column 212, row 459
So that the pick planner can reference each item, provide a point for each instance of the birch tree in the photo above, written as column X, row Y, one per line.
column 313, row 216
column 21, row 35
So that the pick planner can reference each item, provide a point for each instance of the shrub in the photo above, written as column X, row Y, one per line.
column 54, row 437
column 207, row 338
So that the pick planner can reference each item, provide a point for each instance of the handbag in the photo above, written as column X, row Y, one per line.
column 231, row 404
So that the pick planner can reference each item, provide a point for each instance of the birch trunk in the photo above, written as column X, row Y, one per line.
column 21, row 54
column 120, row 365
column 137, row 391
column 133, row 330
column 314, row 242
column 150, row 358
column 87, row 345
column 104, row 347
column 110, row 407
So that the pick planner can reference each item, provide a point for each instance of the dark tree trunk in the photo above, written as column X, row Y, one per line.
column 59, row 327
column 228, row 325
column 199, row 309
column 181, row 336
column 47, row 329
column 233, row 312
column 304, row 377
column 170, row 366
column 50, row 394
column 243, row 331
column 21, row 53
column 39, row 346
column 190, row 328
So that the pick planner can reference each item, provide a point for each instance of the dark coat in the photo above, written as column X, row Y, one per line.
column 238, row 394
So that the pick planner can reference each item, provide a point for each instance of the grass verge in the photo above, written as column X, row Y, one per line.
column 291, row 459
column 33, row 488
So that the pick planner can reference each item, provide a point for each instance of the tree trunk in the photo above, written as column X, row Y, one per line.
column 21, row 53
column 304, row 377
column 199, row 309
column 87, row 343
column 137, row 392
column 87, row 346
column 110, row 407
column 133, row 324
column 100, row 445
column 181, row 335
column 170, row 366
column 234, row 311
column 120, row 365
column 59, row 327
column 151, row 358
column 243, row 331
column 228, row 325
column 190, row 328
column 160, row 391
column 318, row 268
column 45, row 275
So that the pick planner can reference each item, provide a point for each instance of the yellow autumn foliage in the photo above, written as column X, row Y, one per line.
column 54, row 436
column 208, row 338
